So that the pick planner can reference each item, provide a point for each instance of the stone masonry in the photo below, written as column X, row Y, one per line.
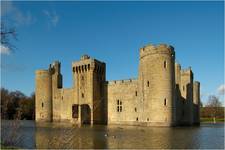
column 163, row 94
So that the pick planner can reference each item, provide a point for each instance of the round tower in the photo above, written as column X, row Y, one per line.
column 157, row 84
column 43, row 95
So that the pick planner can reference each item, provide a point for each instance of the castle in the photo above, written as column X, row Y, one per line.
column 163, row 94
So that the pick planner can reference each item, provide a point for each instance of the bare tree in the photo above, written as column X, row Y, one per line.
column 6, row 35
column 213, row 104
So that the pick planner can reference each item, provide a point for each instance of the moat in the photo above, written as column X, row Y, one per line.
column 61, row 135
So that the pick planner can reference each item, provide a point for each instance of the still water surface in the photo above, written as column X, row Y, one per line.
column 61, row 135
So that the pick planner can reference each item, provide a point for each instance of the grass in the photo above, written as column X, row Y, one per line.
column 210, row 120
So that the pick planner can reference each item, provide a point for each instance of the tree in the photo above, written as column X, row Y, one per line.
column 16, row 105
column 4, row 102
column 6, row 35
column 214, row 106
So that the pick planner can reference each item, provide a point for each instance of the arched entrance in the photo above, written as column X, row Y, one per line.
column 85, row 114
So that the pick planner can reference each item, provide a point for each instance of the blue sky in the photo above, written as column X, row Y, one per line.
column 112, row 32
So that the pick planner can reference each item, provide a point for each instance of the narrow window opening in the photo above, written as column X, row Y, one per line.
column 165, row 102
column 118, row 109
column 165, row 64
column 135, row 109
column 135, row 93
column 119, row 106
column 147, row 119
column 137, row 119
column 82, row 95
column 148, row 84
column 42, row 104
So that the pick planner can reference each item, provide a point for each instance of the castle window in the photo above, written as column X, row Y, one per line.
column 165, row 64
column 82, row 95
column 135, row 109
column 135, row 93
column 119, row 106
column 42, row 104
column 137, row 119
column 75, row 111
column 165, row 102
column 147, row 83
column 147, row 119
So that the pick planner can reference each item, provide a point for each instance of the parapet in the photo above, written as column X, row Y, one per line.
column 42, row 72
column 116, row 82
column 197, row 83
column 84, row 57
column 56, row 63
column 186, row 71
column 161, row 49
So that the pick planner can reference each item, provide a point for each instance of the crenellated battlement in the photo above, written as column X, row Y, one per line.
column 87, row 64
column 115, row 82
column 156, row 49
column 186, row 71
column 41, row 72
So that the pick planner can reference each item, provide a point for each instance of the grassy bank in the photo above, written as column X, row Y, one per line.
column 210, row 120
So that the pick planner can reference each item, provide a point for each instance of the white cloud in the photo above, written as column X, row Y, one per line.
column 24, row 18
column 4, row 50
column 52, row 17
column 14, row 15
column 221, row 89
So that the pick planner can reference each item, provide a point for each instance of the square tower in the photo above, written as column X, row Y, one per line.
column 88, row 82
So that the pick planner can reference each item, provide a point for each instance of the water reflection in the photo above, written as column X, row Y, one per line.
column 59, row 135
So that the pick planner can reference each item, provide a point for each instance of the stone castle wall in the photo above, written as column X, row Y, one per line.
column 123, row 104
column 162, row 95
